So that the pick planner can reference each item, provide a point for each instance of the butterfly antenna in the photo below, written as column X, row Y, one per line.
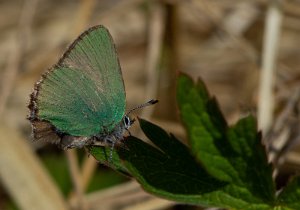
column 149, row 103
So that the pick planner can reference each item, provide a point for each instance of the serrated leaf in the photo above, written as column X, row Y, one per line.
column 231, row 154
column 290, row 195
column 169, row 171
column 192, row 101
column 225, row 167
column 248, row 157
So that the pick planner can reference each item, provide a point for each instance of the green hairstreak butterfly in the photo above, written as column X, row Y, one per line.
column 81, row 100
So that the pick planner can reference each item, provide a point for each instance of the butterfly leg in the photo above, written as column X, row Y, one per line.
column 110, row 141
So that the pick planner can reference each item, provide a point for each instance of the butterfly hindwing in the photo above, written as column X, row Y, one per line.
column 83, row 94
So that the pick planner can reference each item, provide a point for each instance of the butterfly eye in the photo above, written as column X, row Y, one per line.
column 127, row 122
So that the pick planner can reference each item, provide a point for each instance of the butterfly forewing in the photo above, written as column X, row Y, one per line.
column 83, row 94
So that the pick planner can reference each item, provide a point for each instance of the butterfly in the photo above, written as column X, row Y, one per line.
column 81, row 100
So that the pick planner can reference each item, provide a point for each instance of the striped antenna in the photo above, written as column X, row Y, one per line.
column 149, row 103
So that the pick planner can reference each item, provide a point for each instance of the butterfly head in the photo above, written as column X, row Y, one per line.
column 127, row 122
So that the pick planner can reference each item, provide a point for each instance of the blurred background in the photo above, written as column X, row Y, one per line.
column 247, row 52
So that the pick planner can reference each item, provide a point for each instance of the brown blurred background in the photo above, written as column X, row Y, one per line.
column 247, row 52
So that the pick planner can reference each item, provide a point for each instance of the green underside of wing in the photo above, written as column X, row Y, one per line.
column 84, row 94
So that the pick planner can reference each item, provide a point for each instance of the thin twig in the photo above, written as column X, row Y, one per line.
column 283, row 135
column 79, row 202
column 83, row 16
column 88, row 168
column 270, row 51
column 156, row 33
column 128, row 195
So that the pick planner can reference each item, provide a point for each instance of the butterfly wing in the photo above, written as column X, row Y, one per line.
column 83, row 95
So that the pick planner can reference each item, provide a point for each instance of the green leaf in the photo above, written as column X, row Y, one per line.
column 290, row 195
column 232, row 154
column 193, row 101
column 168, row 171
column 247, row 155
column 225, row 166
column 102, row 154
column 173, row 169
